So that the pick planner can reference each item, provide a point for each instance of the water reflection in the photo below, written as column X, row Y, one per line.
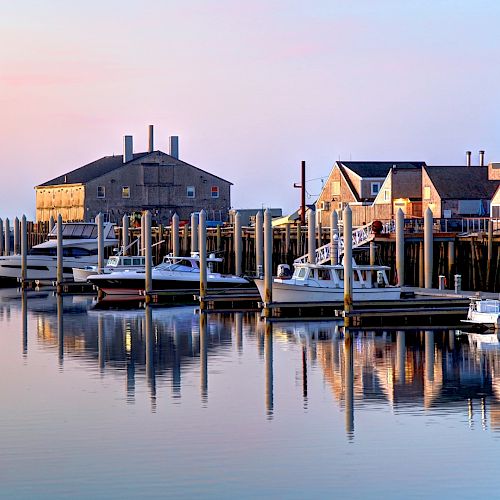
column 407, row 370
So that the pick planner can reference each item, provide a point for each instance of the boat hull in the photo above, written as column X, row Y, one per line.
column 290, row 293
column 114, row 284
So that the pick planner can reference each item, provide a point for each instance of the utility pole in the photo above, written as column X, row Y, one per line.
column 302, row 187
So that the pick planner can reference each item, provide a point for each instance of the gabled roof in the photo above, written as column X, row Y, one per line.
column 378, row 168
column 105, row 165
column 91, row 170
column 461, row 182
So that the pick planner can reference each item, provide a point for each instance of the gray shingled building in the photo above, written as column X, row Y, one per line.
column 128, row 183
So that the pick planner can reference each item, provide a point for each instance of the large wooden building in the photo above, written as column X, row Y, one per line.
column 128, row 183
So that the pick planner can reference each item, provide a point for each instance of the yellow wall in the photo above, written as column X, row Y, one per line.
column 65, row 199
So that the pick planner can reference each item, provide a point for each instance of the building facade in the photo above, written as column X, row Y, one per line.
column 125, row 184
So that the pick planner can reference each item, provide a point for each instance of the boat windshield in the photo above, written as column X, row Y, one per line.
column 176, row 264
column 81, row 231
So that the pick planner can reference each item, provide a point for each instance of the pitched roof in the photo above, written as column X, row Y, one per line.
column 91, row 170
column 462, row 183
column 407, row 183
column 105, row 165
column 378, row 168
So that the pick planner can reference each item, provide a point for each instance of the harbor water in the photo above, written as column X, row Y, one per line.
column 168, row 402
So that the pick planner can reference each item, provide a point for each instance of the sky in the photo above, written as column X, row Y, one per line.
column 250, row 88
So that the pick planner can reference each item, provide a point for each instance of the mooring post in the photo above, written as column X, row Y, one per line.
column 287, row 239
column 52, row 223
column 148, row 253
column 100, row 242
column 347, row 217
column 490, row 254
column 401, row 356
column 428, row 245
column 16, row 236
column 421, row 264
column 219, row 237
column 2, row 238
column 311, row 236
column 125, row 235
column 7, row 236
column 142, row 240
column 238, row 245
column 451, row 260
column 194, row 232
column 24, row 251
column 259, row 244
column 175, row 235
column 268, row 261
column 202, row 243
column 319, row 226
column 59, row 250
column 400, row 247
column 334, row 238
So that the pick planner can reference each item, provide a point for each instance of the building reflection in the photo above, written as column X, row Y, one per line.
column 404, row 368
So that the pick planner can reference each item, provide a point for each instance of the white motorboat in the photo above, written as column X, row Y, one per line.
column 174, row 273
column 114, row 264
column 484, row 312
column 325, row 283
column 79, row 250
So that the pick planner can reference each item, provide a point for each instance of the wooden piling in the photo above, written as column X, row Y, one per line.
column 347, row 217
column 7, row 237
column 334, row 238
column 24, row 251
column 194, row 232
column 125, row 234
column 100, row 242
column 311, row 236
column 175, row 235
column 428, row 248
column 2, row 238
column 238, row 243
column 202, row 243
column 400, row 246
column 60, row 264
column 259, row 244
column 268, row 259
column 17, row 245
column 148, row 252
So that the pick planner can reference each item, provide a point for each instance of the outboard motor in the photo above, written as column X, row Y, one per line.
column 284, row 272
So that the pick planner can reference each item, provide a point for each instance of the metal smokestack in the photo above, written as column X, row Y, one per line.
column 481, row 158
column 128, row 149
column 174, row 146
column 468, row 157
column 151, row 140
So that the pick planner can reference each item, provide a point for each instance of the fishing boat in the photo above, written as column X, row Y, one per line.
column 325, row 283
column 485, row 312
column 174, row 273
column 79, row 250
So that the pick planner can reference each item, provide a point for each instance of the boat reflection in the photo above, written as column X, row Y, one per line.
column 409, row 370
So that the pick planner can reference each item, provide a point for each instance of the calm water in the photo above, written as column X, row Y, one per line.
column 135, row 404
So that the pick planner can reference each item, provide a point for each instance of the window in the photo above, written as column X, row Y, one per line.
column 101, row 192
column 215, row 191
column 324, row 274
column 335, row 188
column 427, row 193
column 126, row 192
column 386, row 195
column 375, row 188
column 190, row 192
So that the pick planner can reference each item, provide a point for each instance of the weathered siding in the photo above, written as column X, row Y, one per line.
column 67, row 200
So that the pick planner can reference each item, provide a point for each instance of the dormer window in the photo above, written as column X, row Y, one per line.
column 375, row 188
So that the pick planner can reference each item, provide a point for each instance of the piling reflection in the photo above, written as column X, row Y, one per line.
column 161, row 349
column 268, row 355
column 60, row 328
column 203, row 357
column 24, row 314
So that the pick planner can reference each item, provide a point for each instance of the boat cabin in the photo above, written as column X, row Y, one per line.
column 126, row 261
column 333, row 276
